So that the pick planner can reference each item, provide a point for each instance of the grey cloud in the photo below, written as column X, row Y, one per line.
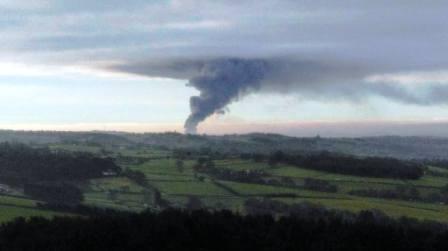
column 398, row 34
column 320, row 49
column 222, row 81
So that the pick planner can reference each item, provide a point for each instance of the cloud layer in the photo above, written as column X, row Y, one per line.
column 324, row 50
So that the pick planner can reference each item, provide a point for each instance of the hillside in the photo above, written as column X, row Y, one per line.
column 387, row 146
column 155, row 178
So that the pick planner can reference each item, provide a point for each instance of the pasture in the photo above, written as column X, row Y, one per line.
column 177, row 184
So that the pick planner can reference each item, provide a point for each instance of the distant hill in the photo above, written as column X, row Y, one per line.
column 391, row 146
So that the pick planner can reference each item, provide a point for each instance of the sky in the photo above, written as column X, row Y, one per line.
column 296, row 67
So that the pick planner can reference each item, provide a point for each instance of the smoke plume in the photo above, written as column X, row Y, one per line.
column 221, row 82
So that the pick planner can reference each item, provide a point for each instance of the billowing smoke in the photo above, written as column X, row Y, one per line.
column 221, row 82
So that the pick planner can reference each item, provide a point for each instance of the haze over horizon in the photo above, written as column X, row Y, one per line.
column 299, row 68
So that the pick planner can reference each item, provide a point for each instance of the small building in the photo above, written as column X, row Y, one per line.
column 4, row 188
column 109, row 173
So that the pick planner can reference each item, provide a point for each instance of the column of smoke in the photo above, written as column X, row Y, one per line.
column 221, row 82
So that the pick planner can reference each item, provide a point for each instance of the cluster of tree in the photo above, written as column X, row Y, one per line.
column 55, row 193
column 249, row 176
column 194, row 203
column 151, row 195
column 436, row 173
column 283, row 181
column 206, row 165
column 444, row 189
column 435, row 197
column 311, row 229
column 404, row 193
column 399, row 192
column 442, row 163
column 131, row 160
column 21, row 164
column 190, row 153
column 307, row 210
column 136, row 176
column 203, row 163
column 180, row 166
column 344, row 164
column 257, row 157
column 319, row 185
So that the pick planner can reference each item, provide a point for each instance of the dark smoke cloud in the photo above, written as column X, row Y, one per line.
column 225, row 80
column 222, row 81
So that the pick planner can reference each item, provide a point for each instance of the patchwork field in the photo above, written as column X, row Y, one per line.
column 177, row 183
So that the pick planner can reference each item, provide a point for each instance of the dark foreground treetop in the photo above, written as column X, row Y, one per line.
column 202, row 230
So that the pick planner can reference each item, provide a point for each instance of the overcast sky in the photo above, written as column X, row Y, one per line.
column 328, row 67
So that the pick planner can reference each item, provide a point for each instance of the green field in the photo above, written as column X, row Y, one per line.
column 177, row 186
column 12, row 207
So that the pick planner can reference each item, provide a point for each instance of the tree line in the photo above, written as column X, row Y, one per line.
column 405, row 193
column 50, row 176
column 306, row 228
column 377, row 167
column 21, row 164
